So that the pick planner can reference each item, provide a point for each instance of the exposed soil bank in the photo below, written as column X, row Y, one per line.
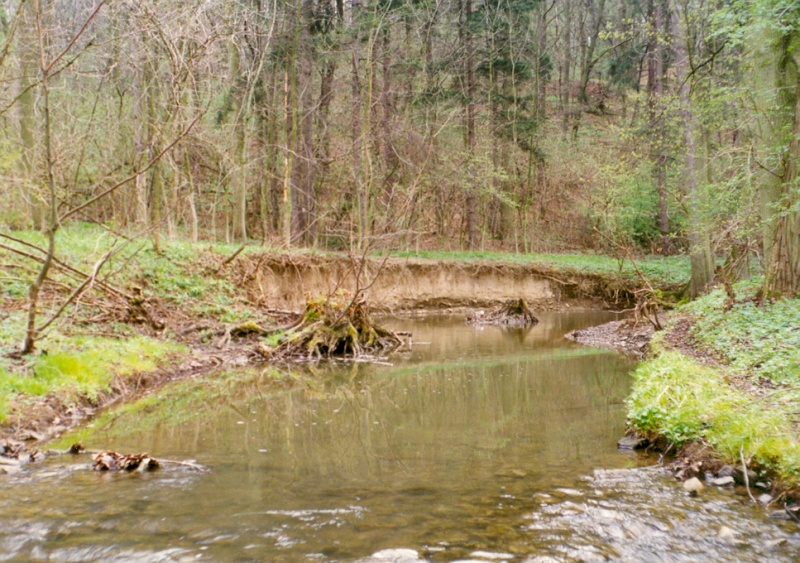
column 407, row 284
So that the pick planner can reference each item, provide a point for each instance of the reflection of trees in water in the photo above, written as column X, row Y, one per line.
column 450, row 337
column 365, row 424
column 423, row 448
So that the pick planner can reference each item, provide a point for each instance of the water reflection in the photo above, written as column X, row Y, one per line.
column 481, row 444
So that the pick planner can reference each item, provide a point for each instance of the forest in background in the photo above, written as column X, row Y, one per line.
column 667, row 126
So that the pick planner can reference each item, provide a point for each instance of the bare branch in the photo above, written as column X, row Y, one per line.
column 136, row 174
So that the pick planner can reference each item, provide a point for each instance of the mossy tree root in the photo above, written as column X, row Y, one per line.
column 332, row 329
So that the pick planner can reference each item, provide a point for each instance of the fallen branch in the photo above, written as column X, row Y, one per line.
column 746, row 478
column 78, row 291
column 73, row 272
column 647, row 302
column 230, row 258
column 105, row 460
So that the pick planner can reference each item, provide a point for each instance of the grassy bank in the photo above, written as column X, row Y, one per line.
column 728, row 376
column 95, row 344
column 78, row 368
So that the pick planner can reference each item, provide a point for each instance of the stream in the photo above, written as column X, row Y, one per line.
column 480, row 444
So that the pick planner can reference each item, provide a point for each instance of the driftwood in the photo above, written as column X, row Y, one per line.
column 514, row 313
column 112, row 461
column 107, row 460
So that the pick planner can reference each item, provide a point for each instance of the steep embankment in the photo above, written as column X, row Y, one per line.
column 392, row 284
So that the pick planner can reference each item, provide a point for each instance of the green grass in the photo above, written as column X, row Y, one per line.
column 678, row 398
column 668, row 270
column 178, row 274
column 82, row 367
column 3, row 396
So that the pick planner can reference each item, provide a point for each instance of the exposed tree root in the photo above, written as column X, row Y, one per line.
column 514, row 313
column 330, row 327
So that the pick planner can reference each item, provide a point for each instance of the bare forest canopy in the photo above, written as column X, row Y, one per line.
column 520, row 125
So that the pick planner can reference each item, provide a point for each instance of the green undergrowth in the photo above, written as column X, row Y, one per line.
column 82, row 367
column 668, row 270
column 756, row 345
column 678, row 398
column 760, row 339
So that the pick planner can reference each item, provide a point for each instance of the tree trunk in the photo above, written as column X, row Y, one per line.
column 156, row 179
column 31, row 333
column 783, row 199
column 597, row 10
column 541, row 48
column 357, row 125
column 702, row 261
column 386, row 106
column 655, row 86
column 28, row 56
column 239, row 188
column 566, row 66
column 470, row 200
column 292, row 110
column 303, row 199
column 141, row 85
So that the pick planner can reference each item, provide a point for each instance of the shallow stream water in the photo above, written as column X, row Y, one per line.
column 479, row 445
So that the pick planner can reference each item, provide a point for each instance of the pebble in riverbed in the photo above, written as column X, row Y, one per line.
column 491, row 556
column 631, row 442
column 693, row 486
column 722, row 481
column 393, row 556
column 9, row 466
column 737, row 474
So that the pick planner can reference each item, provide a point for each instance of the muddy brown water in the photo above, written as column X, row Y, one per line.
column 479, row 445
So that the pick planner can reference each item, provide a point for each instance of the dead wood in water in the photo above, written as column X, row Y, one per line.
column 331, row 327
column 112, row 461
column 14, row 455
column 514, row 313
